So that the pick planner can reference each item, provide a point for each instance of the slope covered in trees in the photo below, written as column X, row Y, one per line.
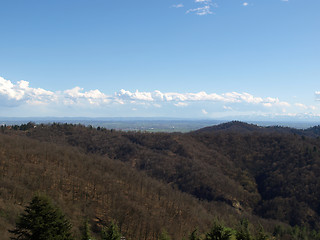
column 152, row 181
column 42, row 221
column 91, row 186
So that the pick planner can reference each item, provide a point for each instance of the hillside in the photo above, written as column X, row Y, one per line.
column 155, row 179
column 100, row 188
column 245, row 128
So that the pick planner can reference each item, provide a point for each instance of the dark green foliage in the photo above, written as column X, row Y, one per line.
column 86, row 233
column 42, row 221
column 278, row 231
column 218, row 232
column 314, row 235
column 243, row 232
column 194, row 235
column 164, row 236
column 3, row 127
column 261, row 235
column 111, row 233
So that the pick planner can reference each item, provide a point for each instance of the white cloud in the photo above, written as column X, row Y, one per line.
column 227, row 108
column 204, row 111
column 178, row 98
column 22, row 92
column 157, row 105
column 8, row 89
column 205, row 10
column 74, row 92
column 76, row 95
column 203, row 1
column 143, row 96
column 301, row 105
column 180, row 5
column 267, row 104
column 242, row 97
column 181, row 104
column 206, row 7
column 13, row 95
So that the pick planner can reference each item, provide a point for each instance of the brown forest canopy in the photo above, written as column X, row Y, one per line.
column 148, row 182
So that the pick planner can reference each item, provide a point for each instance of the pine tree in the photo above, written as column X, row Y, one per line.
column 42, row 221
column 261, row 235
column 243, row 233
column 112, row 233
column 164, row 236
column 194, row 235
column 218, row 232
column 86, row 230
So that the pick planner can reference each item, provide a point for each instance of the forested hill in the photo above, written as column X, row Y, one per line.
column 269, row 175
column 245, row 128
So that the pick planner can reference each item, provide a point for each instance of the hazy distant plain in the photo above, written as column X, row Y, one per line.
column 149, row 124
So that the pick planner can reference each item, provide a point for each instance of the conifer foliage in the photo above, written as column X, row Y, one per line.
column 218, row 232
column 42, row 221
column 194, row 235
column 86, row 235
column 111, row 233
column 243, row 233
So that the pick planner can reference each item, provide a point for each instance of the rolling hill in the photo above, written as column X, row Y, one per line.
column 154, row 181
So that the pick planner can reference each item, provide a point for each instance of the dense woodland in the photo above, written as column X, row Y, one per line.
column 151, row 183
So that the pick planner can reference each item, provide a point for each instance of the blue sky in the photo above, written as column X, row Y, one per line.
column 160, row 58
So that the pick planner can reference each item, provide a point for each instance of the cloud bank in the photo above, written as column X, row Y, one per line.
column 21, row 93
column 15, row 95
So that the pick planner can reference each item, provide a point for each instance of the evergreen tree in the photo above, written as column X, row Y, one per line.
column 194, row 235
column 218, row 232
column 164, row 236
column 86, row 231
column 243, row 233
column 112, row 233
column 261, row 234
column 42, row 221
